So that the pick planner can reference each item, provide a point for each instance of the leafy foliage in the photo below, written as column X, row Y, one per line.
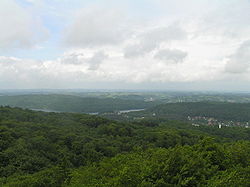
column 206, row 163
column 70, row 149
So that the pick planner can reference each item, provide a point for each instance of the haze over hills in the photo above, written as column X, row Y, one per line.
column 108, row 101
column 70, row 103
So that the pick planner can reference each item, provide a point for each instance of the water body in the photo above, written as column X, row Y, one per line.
column 131, row 110
column 45, row 110
column 91, row 113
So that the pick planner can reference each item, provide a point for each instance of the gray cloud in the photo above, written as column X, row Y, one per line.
column 171, row 55
column 73, row 58
column 134, row 51
column 96, row 60
column 239, row 62
column 152, row 40
column 104, row 44
column 164, row 34
column 78, row 58
column 96, row 27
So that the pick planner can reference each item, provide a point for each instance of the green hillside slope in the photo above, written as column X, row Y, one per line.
column 67, row 103
column 180, row 111
column 41, row 149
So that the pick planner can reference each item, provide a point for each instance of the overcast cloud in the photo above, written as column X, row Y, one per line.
column 171, row 56
column 152, row 39
column 142, row 44
column 239, row 62
column 95, row 26
column 19, row 27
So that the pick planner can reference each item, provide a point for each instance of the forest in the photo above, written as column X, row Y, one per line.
column 72, row 103
column 41, row 149
column 223, row 111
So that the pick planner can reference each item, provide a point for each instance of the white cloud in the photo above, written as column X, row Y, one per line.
column 239, row 62
column 151, row 40
column 96, row 26
column 171, row 55
column 98, row 67
column 75, row 58
column 164, row 34
column 228, row 18
column 175, row 41
column 90, row 59
column 19, row 28
column 96, row 60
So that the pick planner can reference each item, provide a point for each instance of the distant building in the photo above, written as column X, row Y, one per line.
column 196, row 125
column 150, row 99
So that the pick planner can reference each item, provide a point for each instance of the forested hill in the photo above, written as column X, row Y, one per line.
column 68, row 103
column 218, row 110
column 40, row 149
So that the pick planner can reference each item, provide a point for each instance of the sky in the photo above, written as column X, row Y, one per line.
column 126, row 44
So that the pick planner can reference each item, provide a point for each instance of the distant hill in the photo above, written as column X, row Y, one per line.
column 180, row 111
column 68, row 103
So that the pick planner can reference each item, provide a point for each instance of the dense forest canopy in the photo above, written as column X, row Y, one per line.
column 69, row 149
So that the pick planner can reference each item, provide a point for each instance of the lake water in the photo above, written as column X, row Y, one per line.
column 45, row 110
column 131, row 110
column 91, row 113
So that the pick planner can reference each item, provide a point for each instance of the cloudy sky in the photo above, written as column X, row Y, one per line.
column 125, row 44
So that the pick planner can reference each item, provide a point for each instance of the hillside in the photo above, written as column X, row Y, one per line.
column 68, row 103
column 237, row 112
column 69, row 149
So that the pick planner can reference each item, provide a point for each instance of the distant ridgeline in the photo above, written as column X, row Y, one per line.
column 69, row 103
column 41, row 149
column 220, row 111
